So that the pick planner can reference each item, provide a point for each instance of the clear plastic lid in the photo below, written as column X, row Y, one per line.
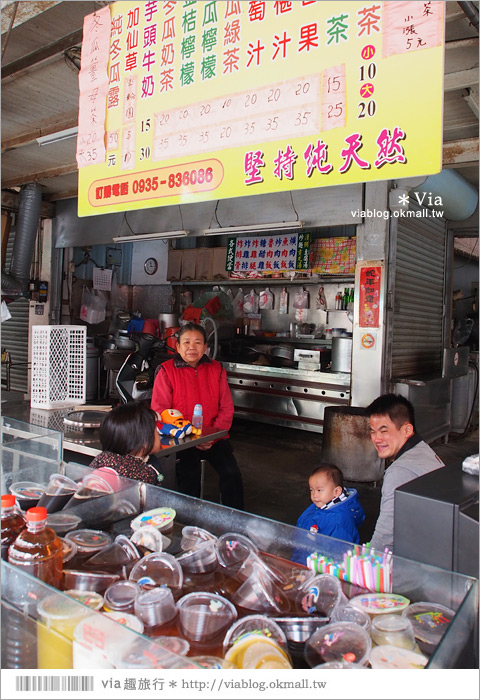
column 259, row 625
column 27, row 489
column 151, row 538
column 233, row 549
column 69, row 549
column 121, row 595
column 63, row 523
column 380, row 603
column 89, row 598
column 192, row 535
column 157, row 569
column 338, row 641
column 89, row 541
column 429, row 621
column 388, row 656
column 161, row 518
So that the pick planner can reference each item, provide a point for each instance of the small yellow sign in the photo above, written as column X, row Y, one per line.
column 207, row 100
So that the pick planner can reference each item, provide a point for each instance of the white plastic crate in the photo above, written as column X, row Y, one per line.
column 59, row 362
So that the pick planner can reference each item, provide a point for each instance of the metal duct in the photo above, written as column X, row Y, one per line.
column 471, row 11
column 26, row 232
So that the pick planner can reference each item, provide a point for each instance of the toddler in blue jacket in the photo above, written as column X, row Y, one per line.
column 335, row 510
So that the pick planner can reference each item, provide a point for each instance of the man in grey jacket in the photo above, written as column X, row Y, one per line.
column 392, row 429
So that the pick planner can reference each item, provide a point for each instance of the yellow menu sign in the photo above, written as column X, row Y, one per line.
column 207, row 100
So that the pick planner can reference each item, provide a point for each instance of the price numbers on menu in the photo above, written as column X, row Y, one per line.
column 367, row 106
column 272, row 112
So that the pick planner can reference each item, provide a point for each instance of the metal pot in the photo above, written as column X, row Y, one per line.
column 283, row 355
column 167, row 321
column 124, row 342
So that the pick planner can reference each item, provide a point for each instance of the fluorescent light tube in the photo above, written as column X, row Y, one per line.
column 57, row 136
column 254, row 228
column 150, row 236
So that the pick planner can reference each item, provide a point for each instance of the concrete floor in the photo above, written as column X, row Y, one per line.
column 275, row 463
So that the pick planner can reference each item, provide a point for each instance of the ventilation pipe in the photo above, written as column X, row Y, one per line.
column 447, row 192
column 18, row 278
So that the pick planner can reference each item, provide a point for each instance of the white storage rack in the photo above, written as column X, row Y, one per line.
column 59, row 361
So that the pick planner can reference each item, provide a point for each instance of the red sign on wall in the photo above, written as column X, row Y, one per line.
column 369, row 310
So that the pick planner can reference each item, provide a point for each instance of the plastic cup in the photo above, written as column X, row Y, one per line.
column 321, row 594
column 347, row 613
column 191, row 536
column 150, row 538
column 97, row 640
column 155, row 607
column 69, row 550
column 89, row 598
column 91, row 486
column 58, row 492
column 63, row 523
column 212, row 662
column 114, row 556
column 157, row 569
column 254, row 562
column 253, row 651
column 395, row 630
column 58, row 615
column 339, row 641
column 87, row 580
column 264, row 654
column 176, row 645
column 388, row 656
column 120, row 596
column 143, row 654
column 233, row 549
column 200, row 559
column 254, row 626
column 259, row 593
column 341, row 664
column 429, row 622
column 161, row 518
column 88, row 542
column 27, row 493
column 205, row 616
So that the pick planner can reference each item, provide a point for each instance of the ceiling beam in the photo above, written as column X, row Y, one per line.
column 22, row 65
column 29, row 137
column 42, row 175
column 460, row 79
column 463, row 151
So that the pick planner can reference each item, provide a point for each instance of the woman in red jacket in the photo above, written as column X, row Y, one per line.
column 193, row 378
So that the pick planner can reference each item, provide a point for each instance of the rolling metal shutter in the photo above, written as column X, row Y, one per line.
column 417, row 295
column 15, row 336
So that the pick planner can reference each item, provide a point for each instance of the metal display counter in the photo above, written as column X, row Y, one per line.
column 286, row 397
column 21, row 593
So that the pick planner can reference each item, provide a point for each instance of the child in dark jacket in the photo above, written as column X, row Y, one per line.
column 335, row 511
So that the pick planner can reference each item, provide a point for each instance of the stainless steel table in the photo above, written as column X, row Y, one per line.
column 87, row 442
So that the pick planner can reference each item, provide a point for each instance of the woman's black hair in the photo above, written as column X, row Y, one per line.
column 192, row 327
column 129, row 429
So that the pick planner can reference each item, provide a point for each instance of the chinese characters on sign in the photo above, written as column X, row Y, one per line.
column 193, row 107
column 369, row 298
column 269, row 253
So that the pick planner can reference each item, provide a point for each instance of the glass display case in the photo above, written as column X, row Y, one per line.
column 28, row 615
column 26, row 446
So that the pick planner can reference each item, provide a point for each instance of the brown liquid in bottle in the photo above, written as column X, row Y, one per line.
column 13, row 523
column 38, row 550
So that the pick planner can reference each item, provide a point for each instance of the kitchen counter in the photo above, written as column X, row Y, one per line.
column 285, row 396
column 87, row 442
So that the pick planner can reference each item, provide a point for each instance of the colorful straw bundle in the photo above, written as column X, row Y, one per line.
column 363, row 567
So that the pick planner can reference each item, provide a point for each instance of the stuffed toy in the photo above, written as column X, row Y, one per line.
column 173, row 424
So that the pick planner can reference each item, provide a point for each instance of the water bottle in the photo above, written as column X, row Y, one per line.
column 38, row 550
column 13, row 523
column 197, row 420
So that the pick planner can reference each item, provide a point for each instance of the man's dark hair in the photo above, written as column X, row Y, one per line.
column 129, row 429
column 192, row 327
column 331, row 471
column 396, row 407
